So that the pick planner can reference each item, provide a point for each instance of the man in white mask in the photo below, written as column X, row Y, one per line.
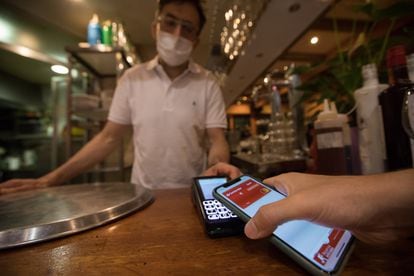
column 174, row 106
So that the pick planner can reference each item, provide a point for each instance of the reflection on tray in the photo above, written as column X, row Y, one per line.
column 43, row 214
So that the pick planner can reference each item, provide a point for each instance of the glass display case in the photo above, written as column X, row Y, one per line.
column 93, row 75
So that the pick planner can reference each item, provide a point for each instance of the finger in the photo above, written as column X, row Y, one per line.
column 209, row 172
column 280, row 185
column 292, row 183
column 269, row 216
column 19, row 188
column 11, row 183
column 234, row 173
column 223, row 169
column 17, row 185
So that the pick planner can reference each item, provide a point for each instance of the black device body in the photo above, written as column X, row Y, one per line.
column 218, row 221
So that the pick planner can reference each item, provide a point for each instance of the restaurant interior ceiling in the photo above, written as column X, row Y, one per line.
column 279, row 37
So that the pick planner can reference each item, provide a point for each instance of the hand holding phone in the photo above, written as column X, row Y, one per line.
column 321, row 250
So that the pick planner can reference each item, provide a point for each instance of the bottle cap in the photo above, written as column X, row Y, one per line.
column 396, row 56
column 95, row 19
column 327, row 113
column 370, row 74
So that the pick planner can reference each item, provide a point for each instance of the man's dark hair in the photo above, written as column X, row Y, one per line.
column 196, row 4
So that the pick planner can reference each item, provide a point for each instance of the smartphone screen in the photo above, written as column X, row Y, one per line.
column 208, row 184
column 324, row 247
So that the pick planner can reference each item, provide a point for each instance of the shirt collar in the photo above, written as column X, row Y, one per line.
column 192, row 66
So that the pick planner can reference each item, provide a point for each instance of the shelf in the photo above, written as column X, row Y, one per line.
column 87, row 107
column 36, row 136
column 30, row 169
column 98, row 114
column 100, row 60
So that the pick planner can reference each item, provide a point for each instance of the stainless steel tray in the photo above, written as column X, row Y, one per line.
column 44, row 214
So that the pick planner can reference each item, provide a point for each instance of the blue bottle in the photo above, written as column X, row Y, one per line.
column 94, row 31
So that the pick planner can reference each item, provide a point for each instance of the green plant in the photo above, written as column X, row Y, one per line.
column 340, row 76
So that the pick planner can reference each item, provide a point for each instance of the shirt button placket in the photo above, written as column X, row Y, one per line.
column 169, row 98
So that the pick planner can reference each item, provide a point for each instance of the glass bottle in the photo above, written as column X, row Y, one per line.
column 397, row 142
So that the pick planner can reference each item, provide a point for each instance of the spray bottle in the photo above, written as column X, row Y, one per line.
column 370, row 125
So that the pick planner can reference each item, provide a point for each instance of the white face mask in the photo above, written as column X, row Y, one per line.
column 173, row 50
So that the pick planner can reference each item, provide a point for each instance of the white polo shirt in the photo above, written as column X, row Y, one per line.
column 169, row 120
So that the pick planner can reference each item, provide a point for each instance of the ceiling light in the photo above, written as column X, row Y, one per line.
column 59, row 69
column 314, row 40
column 6, row 30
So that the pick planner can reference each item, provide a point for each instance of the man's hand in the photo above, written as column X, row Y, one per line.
column 91, row 154
column 18, row 185
column 222, row 168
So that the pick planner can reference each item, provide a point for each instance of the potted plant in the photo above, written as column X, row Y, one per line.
column 338, row 78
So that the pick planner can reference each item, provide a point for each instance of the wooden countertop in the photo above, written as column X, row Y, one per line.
column 167, row 238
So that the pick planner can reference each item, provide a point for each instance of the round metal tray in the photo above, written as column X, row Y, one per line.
column 44, row 214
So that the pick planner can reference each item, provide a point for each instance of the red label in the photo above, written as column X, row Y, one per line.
column 246, row 193
column 326, row 250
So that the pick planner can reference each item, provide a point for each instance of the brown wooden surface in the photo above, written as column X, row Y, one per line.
column 167, row 238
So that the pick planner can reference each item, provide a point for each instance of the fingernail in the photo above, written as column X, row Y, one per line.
column 251, row 230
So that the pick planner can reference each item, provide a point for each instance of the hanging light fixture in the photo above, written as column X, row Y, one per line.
column 239, row 23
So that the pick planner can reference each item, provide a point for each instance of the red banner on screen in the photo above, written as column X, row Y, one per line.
column 326, row 250
column 246, row 193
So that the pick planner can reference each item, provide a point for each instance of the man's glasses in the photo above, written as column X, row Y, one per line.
column 169, row 24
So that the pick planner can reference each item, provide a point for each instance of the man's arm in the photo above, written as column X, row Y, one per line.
column 219, row 149
column 91, row 154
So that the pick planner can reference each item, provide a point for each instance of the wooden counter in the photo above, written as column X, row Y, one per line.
column 167, row 238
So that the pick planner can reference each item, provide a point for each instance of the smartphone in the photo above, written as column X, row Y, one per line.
column 217, row 219
column 320, row 250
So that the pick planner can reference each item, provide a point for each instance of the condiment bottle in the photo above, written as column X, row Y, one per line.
column 330, row 142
